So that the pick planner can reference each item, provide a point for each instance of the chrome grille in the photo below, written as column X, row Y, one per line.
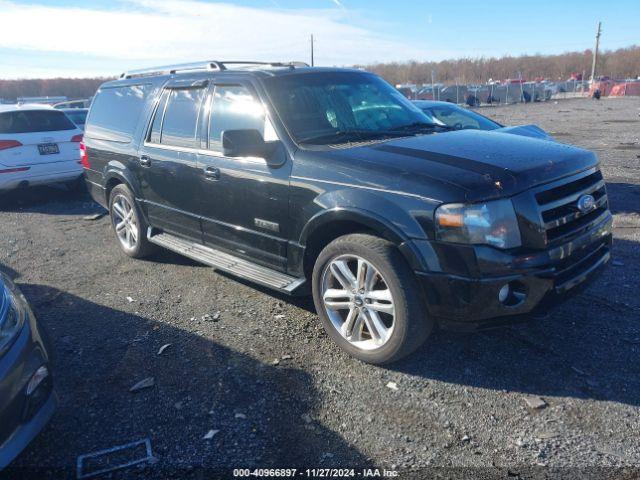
column 561, row 218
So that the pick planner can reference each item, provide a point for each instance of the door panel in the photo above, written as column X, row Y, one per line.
column 168, row 164
column 246, row 209
column 244, row 205
column 167, row 184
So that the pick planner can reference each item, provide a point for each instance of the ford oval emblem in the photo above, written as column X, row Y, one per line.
column 586, row 203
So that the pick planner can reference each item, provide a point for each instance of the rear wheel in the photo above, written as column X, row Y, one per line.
column 369, row 300
column 128, row 223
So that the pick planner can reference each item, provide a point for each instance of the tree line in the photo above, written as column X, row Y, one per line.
column 621, row 63
column 72, row 88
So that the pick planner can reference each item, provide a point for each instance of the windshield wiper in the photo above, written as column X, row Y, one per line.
column 349, row 135
column 421, row 126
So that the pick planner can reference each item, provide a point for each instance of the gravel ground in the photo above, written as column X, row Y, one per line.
column 258, row 369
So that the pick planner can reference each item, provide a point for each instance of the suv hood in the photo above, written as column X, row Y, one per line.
column 482, row 164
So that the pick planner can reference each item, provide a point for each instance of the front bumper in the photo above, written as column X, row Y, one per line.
column 541, row 279
column 23, row 416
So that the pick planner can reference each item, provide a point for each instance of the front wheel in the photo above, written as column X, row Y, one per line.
column 369, row 300
column 128, row 223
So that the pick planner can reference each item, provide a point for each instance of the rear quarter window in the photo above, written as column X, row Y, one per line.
column 27, row 121
column 115, row 112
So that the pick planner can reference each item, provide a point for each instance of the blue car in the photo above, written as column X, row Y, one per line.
column 460, row 118
column 27, row 400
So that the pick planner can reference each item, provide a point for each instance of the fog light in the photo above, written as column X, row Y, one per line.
column 504, row 292
column 36, row 380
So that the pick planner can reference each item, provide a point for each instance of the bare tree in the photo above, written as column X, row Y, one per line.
column 621, row 63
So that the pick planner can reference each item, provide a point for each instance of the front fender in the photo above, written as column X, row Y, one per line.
column 394, row 217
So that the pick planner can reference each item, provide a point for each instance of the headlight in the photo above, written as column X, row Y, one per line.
column 491, row 223
column 11, row 317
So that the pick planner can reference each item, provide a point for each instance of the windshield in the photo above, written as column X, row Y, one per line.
column 458, row 118
column 338, row 107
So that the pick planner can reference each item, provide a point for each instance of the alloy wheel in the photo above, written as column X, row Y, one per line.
column 358, row 301
column 125, row 222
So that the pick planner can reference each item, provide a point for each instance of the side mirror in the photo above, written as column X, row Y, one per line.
column 246, row 143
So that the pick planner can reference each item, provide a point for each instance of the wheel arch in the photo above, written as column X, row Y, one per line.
column 115, row 176
column 329, row 225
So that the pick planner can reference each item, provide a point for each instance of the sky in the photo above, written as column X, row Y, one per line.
column 86, row 38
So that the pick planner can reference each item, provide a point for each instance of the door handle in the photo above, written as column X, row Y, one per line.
column 145, row 161
column 212, row 173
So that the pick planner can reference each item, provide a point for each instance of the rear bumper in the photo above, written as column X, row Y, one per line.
column 538, row 281
column 23, row 416
column 42, row 174
column 97, row 192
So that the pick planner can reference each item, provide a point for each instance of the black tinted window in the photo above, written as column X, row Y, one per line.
column 234, row 108
column 181, row 117
column 34, row 121
column 115, row 112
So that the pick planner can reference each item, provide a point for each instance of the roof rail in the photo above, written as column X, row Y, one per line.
column 209, row 65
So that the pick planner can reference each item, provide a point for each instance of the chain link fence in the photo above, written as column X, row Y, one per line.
column 497, row 94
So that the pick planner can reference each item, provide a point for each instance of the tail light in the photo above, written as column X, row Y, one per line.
column 77, row 138
column 84, row 158
column 5, row 144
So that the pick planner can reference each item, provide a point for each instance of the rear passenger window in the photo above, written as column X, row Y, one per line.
column 180, row 120
column 115, row 112
column 235, row 108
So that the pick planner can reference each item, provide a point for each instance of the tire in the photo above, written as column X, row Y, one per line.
column 393, row 287
column 121, row 202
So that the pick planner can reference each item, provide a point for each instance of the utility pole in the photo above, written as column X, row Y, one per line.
column 312, row 49
column 595, row 53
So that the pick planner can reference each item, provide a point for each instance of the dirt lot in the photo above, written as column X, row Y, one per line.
column 259, row 369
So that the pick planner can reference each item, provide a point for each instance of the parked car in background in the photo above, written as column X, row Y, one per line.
column 460, row 118
column 329, row 181
column 38, row 145
column 84, row 103
column 77, row 115
column 27, row 400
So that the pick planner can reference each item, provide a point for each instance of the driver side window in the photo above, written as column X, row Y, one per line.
column 235, row 108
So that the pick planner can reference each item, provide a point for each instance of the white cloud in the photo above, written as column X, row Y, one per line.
column 149, row 32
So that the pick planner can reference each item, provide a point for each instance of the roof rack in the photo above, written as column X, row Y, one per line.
column 209, row 65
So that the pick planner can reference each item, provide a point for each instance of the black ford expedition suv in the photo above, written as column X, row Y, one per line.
column 329, row 180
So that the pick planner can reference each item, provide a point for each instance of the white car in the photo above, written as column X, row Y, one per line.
column 38, row 145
